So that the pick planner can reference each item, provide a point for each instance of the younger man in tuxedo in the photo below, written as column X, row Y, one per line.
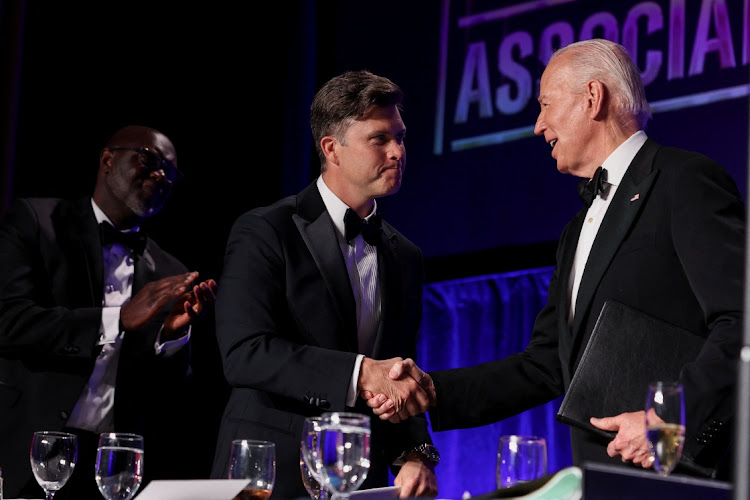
column 309, row 303
column 95, row 318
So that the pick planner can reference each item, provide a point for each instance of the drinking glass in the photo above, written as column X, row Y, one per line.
column 665, row 424
column 308, row 449
column 255, row 461
column 520, row 459
column 53, row 458
column 343, row 457
column 119, row 465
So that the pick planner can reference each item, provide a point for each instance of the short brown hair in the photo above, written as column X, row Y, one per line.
column 346, row 98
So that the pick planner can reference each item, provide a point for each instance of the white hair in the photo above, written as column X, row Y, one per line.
column 609, row 62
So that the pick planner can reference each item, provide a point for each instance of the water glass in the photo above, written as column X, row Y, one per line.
column 255, row 461
column 343, row 457
column 520, row 459
column 118, row 471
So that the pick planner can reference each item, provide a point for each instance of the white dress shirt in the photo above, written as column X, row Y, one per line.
column 94, row 410
column 616, row 165
column 362, row 266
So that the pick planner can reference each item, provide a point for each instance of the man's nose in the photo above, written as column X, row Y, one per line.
column 397, row 150
column 540, row 126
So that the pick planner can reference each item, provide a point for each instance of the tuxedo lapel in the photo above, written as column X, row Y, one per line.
column 566, row 253
column 569, row 245
column 78, row 234
column 623, row 211
column 318, row 232
column 145, row 268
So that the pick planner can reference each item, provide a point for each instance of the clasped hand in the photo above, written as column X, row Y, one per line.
column 191, row 304
column 396, row 389
column 630, row 442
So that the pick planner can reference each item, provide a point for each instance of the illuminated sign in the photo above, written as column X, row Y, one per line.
column 690, row 53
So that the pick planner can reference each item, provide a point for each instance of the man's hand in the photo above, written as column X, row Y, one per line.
column 630, row 441
column 416, row 478
column 147, row 303
column 385, row 407
column 407, row 398
column 190, row 308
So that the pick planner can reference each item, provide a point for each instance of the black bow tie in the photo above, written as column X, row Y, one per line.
column 588, row 190
column 370, row 229
column 135, row 240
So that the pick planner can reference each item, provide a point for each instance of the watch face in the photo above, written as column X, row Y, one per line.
column 429, row 451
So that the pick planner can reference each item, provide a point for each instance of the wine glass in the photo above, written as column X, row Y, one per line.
column 53, row 458
column 255, row 461
column 119, row 465
column 308, row 449
column 665, row 424
column 343, row 457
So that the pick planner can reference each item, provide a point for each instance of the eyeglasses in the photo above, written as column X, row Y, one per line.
column 153, row 161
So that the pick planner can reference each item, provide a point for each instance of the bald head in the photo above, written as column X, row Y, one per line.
column 141, row 136
column 127, row 190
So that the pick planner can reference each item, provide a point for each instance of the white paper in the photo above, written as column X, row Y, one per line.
column 192, row 489
column 377, row 493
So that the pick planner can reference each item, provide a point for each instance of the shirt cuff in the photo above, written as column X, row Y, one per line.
column 170, row 347
column 351, row 395
column 110, row 327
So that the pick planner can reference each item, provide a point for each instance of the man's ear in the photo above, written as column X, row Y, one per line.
column 105, row 160
column 329, row 146
column 595, row 96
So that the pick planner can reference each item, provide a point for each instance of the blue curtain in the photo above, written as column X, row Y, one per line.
column 470, row 321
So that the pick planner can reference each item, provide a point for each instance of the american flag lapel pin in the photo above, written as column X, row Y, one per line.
column 635, row 198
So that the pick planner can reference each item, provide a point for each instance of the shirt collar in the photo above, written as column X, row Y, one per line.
column 337, row 208
column 618, row 162
column 101, row 217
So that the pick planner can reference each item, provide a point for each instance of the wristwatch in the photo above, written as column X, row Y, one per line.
column 429, row 451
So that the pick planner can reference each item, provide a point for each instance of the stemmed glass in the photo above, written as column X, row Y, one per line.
column 119, row 465
column 255, row 461
column 343, row 457
column 308, row 450
column 53, row 458
column 665, row 424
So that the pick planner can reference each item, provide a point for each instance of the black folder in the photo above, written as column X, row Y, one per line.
column 628, row 349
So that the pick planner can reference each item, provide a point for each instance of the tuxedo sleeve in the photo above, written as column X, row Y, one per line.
column 708, row 230
column 34, row 317
column 489, row 392
column 262, row 339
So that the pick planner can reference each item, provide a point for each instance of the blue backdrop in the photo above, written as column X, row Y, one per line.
column 470, row 321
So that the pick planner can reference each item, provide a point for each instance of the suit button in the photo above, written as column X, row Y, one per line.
column 325, row 404
column 64, row 415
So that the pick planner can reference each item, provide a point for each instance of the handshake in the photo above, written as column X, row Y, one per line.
column 396, row 388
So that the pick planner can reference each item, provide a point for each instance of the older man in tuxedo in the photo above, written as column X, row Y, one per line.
column 95, row 318
column 662, row 231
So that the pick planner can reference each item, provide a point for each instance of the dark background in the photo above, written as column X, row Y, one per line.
column 231, row 83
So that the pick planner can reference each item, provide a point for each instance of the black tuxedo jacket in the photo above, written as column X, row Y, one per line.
column 287, row 332
column 672, row 245
column 51, row 289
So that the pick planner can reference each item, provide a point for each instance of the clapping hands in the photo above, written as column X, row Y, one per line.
column 191, row 303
